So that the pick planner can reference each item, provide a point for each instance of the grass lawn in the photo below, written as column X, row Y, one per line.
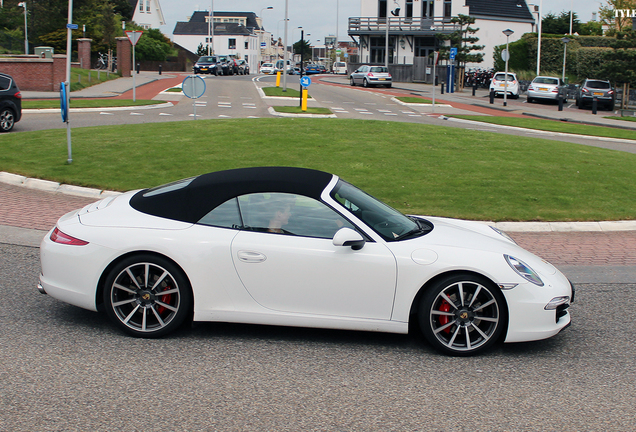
column 278, row 92
column 554, row 126
column 413, row 100
column 297, row 110
column 631, row 119
column 419, row 169
column 87, row 103
column 82, row 78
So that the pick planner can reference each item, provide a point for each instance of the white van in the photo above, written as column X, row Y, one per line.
column 280, row 63
column 340, row 68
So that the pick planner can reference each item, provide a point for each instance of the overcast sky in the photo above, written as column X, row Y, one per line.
column 318, row 17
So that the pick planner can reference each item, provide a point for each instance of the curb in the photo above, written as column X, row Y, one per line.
column 81, row 110
column 54, row 187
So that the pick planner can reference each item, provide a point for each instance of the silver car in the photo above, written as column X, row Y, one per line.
column 545, row 87
column 368, row 76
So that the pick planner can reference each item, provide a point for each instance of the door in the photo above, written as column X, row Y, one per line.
column 294, row 266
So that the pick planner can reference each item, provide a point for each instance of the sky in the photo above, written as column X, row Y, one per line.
column 318, row 17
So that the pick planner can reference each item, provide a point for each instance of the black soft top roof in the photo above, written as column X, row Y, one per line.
column 191, row 199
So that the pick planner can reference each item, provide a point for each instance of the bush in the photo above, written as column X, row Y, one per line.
column 518, row 56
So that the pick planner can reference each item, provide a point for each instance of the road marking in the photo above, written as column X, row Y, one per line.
column 106, row 113
column 134, row 113
column 164, row 114
column 384, row 111
column 390, row 114
column 224, row 116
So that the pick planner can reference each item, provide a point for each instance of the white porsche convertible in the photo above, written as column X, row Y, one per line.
column 298, row 247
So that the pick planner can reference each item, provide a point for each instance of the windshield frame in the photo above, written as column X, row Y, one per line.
column 389, row 223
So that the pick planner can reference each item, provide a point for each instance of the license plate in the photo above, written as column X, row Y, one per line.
column 598, row 94
column 381, row 79
column 543, row 89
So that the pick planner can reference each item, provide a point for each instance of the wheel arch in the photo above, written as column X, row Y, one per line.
column 99, row 292
column 414, row 311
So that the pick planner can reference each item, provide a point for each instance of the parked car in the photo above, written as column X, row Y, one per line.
column 602, row 90
column 233, row 67
column 267, row 68
column 312, row 69
column 10, row 103
column 340, row 68
column 369, row 76
column 207, row 65
column 227, row 65
column 243, row 67
column 322, row 68
column 298, row 247
column 498, row 84
column 545, row 87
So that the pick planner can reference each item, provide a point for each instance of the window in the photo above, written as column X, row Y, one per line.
column 428, row 9
column 409, row 9
column 148, row 6
column 447, row 8
column 224, row 216
column 247, row 45
column 382, row 8
column 231, row 43
column 5, row 83
column 141, row 6
column 280, row 213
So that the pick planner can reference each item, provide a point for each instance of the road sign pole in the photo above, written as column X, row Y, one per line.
column 134, row 73
column 69, row 38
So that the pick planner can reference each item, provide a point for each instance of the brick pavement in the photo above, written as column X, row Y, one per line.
column 28, row 208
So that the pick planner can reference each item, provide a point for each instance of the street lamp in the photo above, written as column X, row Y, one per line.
column 26, row 39
column 210, row 43
column 565, row 49
column 507, row 32
column 261, row 34
column 539, row 39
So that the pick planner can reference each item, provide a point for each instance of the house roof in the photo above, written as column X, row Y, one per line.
column 199, row 26
column 515, row 9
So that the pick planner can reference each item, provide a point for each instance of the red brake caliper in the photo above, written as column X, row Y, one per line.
column 164, row 299
column 443, row 319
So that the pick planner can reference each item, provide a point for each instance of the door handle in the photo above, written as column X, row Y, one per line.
column 251, row 257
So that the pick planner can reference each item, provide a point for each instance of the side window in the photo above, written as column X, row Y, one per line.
column 290, row 214
column 5, row 83
column 224, row 216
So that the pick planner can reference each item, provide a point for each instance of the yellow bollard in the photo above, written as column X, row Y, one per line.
column 278, row 79
column 303, row 105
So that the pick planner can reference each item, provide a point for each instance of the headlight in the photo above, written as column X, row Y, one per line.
column 503, row 234
column 523, row 270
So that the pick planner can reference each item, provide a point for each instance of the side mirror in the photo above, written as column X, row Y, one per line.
column 348, row 237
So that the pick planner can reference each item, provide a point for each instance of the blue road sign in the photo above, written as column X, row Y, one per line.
column 72, row 26
column 305, row 81
column 453, row 53
column 63, row 105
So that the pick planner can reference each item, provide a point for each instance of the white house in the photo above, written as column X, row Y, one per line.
column 147, row 13
column 236, row 34
column 412, row 32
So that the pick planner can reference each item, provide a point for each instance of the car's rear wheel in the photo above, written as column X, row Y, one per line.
column 365, row 83
column 7, row 119
column 530, row 100
column 462, row 314
column 147, row 296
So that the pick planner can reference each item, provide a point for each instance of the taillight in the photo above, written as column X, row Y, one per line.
column 370, row 74
column 18, row 95
column 58, row 236
column 611, row 92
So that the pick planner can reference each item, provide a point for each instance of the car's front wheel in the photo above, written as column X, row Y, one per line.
column 7, row 119
column 352, row 82
column 147, row 296
column 462, row 314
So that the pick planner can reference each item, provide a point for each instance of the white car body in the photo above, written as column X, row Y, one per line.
column 499, row 86
column 267, row 68
column 254, row 277
column 545, row 87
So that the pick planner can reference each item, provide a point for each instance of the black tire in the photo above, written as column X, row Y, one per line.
column 581, row 105
column 352, row 82
column 365, row 83
column 462, row 314
column 610, row 107
column 530, row 100
column 7, row 119
column 153, row 302
column 387, row 85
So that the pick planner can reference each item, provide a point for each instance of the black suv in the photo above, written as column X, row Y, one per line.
column 593, row 88
column 10, row 103
column 207, row 65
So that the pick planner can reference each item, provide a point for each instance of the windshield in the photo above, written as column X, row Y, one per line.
column 207, row 60
column 598, row 84
column 379, row 69
column 386, row 221
column 502, row 77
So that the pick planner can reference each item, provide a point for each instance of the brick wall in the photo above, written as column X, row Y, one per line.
column 32, row 73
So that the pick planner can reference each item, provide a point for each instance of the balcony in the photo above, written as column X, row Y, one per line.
column 360, row 26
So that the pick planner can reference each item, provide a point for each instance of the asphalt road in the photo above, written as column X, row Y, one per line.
column 64, row 368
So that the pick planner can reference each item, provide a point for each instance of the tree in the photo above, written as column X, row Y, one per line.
column 202, row 50
column 610, row 14
column 153, row 45
column 591, row 28
column 303, row 48
column 553, row 24
column 463, row 40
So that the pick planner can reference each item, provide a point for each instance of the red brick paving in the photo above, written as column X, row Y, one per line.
column 28, row 208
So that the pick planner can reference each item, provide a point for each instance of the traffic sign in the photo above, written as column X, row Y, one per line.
column 63, row 104
column 305, row 81
column 505, row 55
column 453, row 53
column 193, row 86
column 72, row 26
column 133, row 36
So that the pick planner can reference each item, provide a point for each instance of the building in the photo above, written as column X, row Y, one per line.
column 147, row 13
column 412, row 32
column 236, row 34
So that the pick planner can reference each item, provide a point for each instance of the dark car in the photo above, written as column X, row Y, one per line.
column 10, row 103
column 233, row 67
column 227, row 65
column 593, row 88
column 207, row 65
column 243, row 67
